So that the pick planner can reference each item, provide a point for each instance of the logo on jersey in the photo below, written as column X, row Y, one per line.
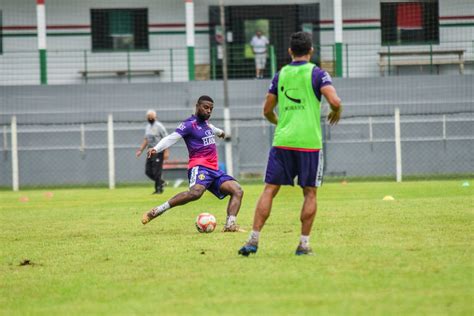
column 290, row 97
column 326, row 78
column 208, row 140
column 182, row 126
column 201, row 176
column 208, row 132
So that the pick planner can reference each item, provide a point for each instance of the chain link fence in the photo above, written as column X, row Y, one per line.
column 71, row 153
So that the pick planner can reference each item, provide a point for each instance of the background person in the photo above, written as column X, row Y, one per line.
column 154, row 132
column 259, row 45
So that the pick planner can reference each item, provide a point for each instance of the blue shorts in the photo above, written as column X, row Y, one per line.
column 209, row 178
column 284, row 165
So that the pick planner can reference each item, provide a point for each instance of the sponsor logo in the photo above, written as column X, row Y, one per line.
column 192, row 180
column 208, row 132
column 208, row 140
column 291, row 98
column 326, row 78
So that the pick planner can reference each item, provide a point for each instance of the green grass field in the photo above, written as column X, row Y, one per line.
column 84, row 252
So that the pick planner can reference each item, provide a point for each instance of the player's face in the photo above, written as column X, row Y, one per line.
column 204, row 110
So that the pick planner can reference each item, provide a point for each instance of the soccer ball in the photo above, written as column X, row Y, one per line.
column 205, row 223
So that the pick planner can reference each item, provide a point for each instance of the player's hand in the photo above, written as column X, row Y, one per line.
column 334, row 116
column 138, row 153
column 221, row 135
column 151, row 152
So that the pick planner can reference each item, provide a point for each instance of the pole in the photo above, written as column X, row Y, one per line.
column 398, row 145
column 190, row 38
column 110, row 147
column 129, row 75
column 15, row 173
column 227, row 127
column 338, row 36
column 272, row 60
column 41, row 29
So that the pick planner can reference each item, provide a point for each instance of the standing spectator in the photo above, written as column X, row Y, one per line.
column 259, row 45
column 154, row 132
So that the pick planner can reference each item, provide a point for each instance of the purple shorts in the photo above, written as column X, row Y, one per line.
column 211, row 179
column 284, row 165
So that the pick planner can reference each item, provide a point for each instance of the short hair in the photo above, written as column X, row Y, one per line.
column 149, row 112
column 301, row 43
column 204, row 98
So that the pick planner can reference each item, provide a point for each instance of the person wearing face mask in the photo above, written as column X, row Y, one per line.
column 154, row 132
column 203, row 172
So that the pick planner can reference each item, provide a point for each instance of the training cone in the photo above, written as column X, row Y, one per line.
column 465, row 184
column 388, row 198
column 48, row 195
column 24, row 199
column 344, row 182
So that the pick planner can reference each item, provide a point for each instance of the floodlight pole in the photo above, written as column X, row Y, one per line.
column 227, row 127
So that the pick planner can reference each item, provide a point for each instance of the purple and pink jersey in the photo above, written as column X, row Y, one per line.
column 200, row 141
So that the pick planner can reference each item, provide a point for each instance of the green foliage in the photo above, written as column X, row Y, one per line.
column 85, row 252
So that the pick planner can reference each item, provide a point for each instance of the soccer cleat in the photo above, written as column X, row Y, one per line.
column 232, row 228
column 301, row 250
column 247, row 249
column 148, row 216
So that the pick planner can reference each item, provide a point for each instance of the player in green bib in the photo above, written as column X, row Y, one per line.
column 297, row 142
column 298, row 109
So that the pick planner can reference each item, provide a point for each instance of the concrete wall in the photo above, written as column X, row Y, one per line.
column 71, row 37
column 437, row 127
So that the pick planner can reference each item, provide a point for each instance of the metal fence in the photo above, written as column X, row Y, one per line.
column 170, row 65
column 71, row 153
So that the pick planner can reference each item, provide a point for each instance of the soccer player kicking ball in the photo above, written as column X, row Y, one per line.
column 203, row 172
column 297, row 142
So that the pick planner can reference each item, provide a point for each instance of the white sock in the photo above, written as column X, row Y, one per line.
column 161, row 209
column 254, row 235
column 230, row 220
column 304, row 240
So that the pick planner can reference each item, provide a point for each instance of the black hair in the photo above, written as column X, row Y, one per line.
column 204, row 98
column 301, row 43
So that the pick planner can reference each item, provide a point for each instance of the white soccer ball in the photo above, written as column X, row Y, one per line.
column 206, row 223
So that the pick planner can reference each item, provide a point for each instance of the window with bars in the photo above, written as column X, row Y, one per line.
column 405, row 23
column 119, row 29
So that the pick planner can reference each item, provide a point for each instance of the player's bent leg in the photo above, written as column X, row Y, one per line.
column 308, row 213
column 262, row 212
column 194, row 193
column 236, row 193
column 264, row 205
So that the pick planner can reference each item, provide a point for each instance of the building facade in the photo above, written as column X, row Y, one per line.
column 145, row 41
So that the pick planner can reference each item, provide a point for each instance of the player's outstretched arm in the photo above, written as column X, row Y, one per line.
column 217, row 131
column 164, row 143
column 268, row 108
column 329, row 92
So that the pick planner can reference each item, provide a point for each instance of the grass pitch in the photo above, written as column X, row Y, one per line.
column 84, row 251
